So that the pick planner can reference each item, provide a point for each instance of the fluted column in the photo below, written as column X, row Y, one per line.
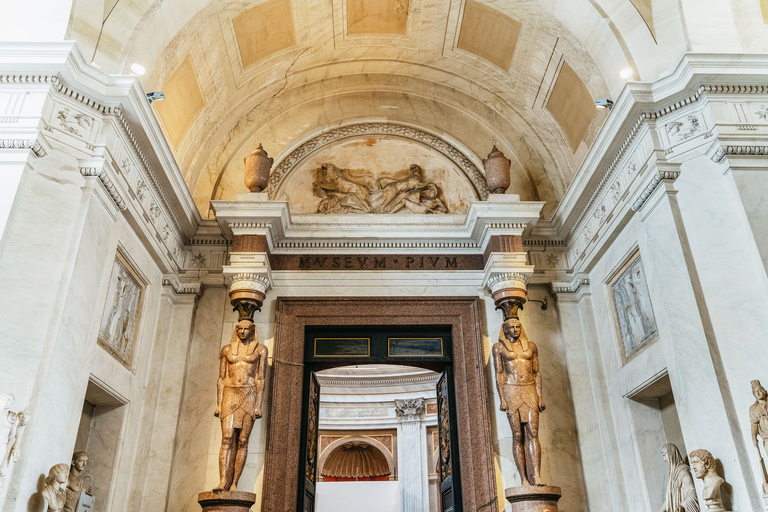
column 412, row 473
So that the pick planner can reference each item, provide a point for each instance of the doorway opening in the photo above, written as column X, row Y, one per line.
column 286, row 449
column 378, row 420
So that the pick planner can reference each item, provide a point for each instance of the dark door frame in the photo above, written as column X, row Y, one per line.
column 463, row 314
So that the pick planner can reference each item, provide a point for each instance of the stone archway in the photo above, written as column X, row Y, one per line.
column 478, row 481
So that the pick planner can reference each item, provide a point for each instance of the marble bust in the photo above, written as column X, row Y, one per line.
column 703, row 465
column 74, row 483
column 54, row 490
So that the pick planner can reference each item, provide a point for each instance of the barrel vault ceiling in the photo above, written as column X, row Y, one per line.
column 521, row 74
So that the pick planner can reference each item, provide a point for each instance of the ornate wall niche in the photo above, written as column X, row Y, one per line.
column 372, row 155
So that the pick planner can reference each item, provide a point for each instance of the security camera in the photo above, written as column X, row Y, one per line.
column 604, row 103
column 157, row 95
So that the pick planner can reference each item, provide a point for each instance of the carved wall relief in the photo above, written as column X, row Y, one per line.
column 341, row 191
column 632, row 303
column 11, row 430
column 120, row 321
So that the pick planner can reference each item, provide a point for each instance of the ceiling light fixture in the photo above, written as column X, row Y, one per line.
column 157, row 95
column 626, row 74
column 604, row 103
column 137, row 68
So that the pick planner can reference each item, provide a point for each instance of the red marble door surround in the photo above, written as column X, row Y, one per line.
column 464, row 314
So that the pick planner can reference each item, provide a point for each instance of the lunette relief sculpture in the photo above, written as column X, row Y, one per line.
column 341, row 191
column 758, row 420
column 11, row 430
column 54, row 490
column 518, row 381
column 75, row 480
column 703, row 466
column 681, row 493
column 240, row 390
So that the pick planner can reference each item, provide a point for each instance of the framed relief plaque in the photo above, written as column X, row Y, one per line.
column 122, row 311
column 632, row 305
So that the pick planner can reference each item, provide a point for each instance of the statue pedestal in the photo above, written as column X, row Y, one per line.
column 533, row 498
column 226, row 501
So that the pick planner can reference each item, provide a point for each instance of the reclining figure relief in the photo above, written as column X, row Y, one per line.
column 342, row 192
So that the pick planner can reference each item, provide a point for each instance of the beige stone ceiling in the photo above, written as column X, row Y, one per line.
column 521, row 74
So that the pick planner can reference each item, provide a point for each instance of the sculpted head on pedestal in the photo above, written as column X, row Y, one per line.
column 758, row 390
column 79, row 461
column 702, row 463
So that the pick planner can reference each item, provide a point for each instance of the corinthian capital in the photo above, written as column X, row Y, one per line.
column 410, row 409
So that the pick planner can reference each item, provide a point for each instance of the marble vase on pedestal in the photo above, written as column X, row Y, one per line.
column 533, row 498
column 226, row 501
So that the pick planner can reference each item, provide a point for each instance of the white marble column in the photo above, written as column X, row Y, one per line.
column 411, row 442
column 153, row 461
column 597, row 442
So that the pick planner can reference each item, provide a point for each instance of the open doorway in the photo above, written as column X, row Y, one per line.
column 378, row 420
column 377, row 439
column 287, row 452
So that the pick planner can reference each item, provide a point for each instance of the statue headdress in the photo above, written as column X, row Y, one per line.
column 252, row 341
column 523, row 337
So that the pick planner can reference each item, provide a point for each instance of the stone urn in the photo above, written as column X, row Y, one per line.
column 497, row 171
column 257, row 167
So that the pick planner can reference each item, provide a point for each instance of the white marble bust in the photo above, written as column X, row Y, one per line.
column 703, row 465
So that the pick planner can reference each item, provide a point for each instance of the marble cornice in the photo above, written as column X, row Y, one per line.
column 317, row 233
column 180, row 289
column 30, row 144
column 638, row 108
column 103, row 176
column 650, row 187
column 363, row 381
column 574, row 286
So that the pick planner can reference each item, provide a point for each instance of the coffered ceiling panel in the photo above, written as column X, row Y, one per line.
column 183, row 101
column 571, row 105
column 263, row 30
column 489, row 34
column 377, row 16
